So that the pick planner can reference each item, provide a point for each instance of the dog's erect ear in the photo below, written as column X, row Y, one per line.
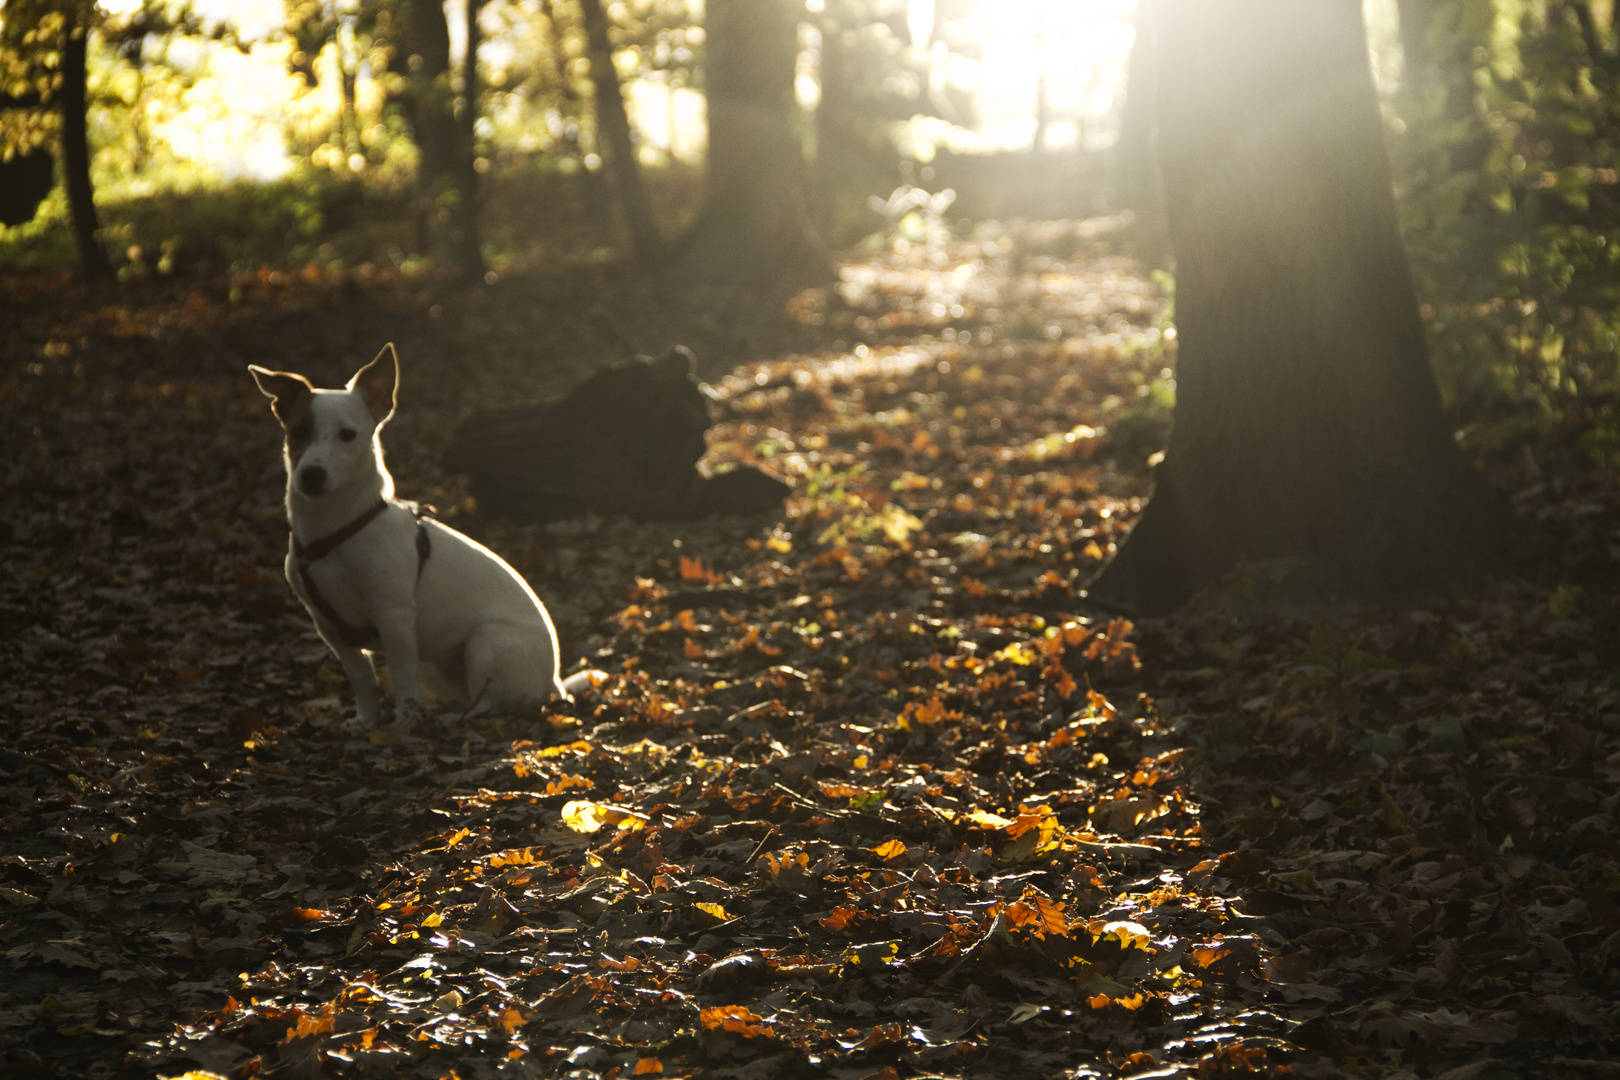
column 378, row 383
column 284, row 389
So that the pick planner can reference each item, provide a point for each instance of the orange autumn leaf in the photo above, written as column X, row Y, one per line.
column 697, row 570
column 306, row 1024
column 1037, row 817
column 649, row 1066
column 515, row 857
column 889, row 849
column 1039, row 914
column 568, row 783
column 737, row 1019
column 304, row 914
column 833, row 789
column 839, row 918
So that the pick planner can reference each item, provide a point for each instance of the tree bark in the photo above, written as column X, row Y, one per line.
column 755, row 224
column 1308, row 430
column 93, row 261
column 613, row 124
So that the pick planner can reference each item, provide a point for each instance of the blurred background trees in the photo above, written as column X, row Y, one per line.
column 399, row 136
column 468, row 134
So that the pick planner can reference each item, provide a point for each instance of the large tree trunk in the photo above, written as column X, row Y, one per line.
column 613, row 124
column 448, row 218
column 755, row 223
column 1308, row 429
column 93, row 259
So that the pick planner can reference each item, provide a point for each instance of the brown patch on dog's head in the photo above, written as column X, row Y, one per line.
column 291, row 397
column 378, row 383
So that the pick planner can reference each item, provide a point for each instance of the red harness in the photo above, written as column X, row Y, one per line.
column 356, row 637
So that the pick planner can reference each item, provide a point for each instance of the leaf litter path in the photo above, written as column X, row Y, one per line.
column 871, row 793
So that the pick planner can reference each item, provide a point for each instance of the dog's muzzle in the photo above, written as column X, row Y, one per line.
column 312, row 480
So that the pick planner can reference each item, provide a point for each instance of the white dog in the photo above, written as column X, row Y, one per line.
column 376, row 576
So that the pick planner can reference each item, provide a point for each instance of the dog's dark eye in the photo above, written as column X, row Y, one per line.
column 347, row 434
column 299, row 431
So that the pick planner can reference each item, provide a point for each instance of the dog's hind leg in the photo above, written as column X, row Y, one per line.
column 505, row 668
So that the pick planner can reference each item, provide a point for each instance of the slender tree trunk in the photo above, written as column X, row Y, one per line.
column 613, row 124
column 348, row 76
column 470, row 239
column 1308, row 430
column 755, row 225
column 448, row 223
column 835, row 142
column 93, row 261
column 1043, row 113
column 1136, row 171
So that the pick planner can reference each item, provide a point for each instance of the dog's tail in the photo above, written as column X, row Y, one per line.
column 583, row 682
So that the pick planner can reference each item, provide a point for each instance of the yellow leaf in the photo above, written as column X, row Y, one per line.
column 1021, row 653
column 1130, row 935
column 1390, row 812
column 984, row 819
column 515, row 857
column 872, row 954
column 897, row 524
column 579, row 746
column 714, row 911
column 1565, row 601
column 587, row 817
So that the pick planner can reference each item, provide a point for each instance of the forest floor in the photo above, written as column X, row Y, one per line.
column 872, row 792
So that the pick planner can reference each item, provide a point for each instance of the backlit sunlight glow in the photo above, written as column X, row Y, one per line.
column 986, row 68
column 1004, row 53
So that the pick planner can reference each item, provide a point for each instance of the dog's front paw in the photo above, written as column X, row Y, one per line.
column 408, row 715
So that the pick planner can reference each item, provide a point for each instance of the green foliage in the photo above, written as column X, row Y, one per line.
column 1510, row 206
column 235, row 226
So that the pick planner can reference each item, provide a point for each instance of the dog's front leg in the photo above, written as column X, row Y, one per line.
column 398, row 632
column 363, row 677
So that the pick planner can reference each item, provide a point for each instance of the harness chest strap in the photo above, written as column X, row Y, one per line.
column 354, row 636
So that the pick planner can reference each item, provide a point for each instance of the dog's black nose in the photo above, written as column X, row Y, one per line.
column 312, row 479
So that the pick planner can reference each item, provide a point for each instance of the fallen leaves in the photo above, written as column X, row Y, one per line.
column 869, row 791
